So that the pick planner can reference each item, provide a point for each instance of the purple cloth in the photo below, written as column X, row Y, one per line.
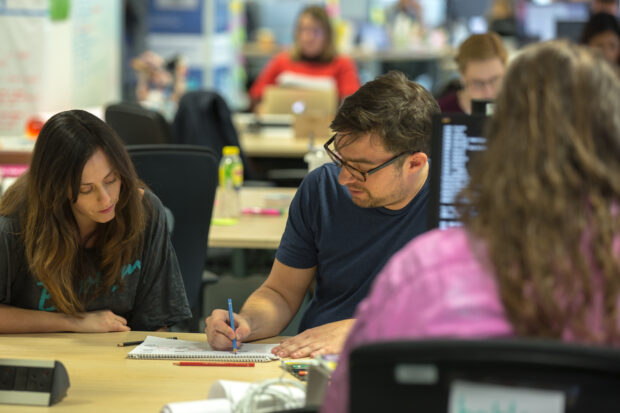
column 435, row 286
column 450, row 103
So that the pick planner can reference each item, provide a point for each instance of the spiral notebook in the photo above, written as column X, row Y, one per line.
column 162, row 348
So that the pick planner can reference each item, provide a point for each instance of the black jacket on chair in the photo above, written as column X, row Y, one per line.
column 203, row 118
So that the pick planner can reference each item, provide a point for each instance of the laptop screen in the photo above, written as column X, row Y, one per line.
column 295, row 100
column 456, row 138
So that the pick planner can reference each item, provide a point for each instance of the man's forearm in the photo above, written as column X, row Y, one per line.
column 267, row 312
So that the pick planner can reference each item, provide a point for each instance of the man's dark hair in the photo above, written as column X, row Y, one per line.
column 396, row 109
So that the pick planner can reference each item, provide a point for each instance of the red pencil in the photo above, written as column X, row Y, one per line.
column 214, row 363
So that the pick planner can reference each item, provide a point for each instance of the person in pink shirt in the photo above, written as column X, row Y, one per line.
column 313, row 54
column 538, row 254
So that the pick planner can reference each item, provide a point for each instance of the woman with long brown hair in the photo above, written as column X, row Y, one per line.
column 83, row 247
column 539, row 253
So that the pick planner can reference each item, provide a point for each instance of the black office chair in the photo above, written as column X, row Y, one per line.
column 419, row 375
column 137, row 125
column 185, row 178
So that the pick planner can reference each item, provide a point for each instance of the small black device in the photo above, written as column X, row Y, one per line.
column 569, row 29
column 482, row 107
column 35, row 382
column 171, row 64
column 456, row 140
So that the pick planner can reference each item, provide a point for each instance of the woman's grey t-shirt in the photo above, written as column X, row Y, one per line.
column 152, row 293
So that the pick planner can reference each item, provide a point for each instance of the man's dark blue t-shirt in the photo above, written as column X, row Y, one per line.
column 348, row 244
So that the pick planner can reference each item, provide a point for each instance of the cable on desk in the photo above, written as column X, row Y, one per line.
column 269, row 395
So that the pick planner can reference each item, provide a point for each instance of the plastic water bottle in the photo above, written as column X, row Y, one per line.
column 231, row 181
column 316, row 155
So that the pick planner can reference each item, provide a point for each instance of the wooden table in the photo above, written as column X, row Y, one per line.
column 104, row 380
column 15, row 150
column 272, row 141
column 254, row 231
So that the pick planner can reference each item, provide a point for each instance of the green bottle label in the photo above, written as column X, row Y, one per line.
column 237, row 174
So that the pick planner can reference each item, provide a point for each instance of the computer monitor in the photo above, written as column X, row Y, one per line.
column 569, row 29
column 539, row 20
column 456, row 139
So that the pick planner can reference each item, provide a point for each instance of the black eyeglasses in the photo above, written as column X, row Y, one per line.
column 356, row 173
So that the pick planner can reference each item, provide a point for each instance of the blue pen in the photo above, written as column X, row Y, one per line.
column 232, row 324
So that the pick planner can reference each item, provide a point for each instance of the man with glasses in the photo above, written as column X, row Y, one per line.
column 346, row 220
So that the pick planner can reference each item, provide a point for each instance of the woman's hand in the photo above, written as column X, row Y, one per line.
column 102, row 321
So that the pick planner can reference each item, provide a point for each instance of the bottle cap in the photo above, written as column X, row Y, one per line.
column 230, row 150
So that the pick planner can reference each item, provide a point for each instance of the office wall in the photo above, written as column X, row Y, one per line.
column 56, row 55
column 208, row 34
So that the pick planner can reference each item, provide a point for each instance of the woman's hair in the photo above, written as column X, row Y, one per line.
column 43, row 196
column 319, row 15
column 481, row 47
column 393, row 107
column 600, row 23
column 544, row 195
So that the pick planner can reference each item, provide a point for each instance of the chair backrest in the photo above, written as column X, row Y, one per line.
column 451, row 375
column 184, row 177
column 137, row 125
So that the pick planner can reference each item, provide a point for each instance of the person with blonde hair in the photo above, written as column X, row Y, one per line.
column 481, row 61
column 538, row 255
column 313, row 54
column 83, row 247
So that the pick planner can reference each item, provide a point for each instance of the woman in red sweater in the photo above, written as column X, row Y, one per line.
column 313, row 55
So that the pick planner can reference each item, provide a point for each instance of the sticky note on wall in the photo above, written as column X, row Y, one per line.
column 59, row 9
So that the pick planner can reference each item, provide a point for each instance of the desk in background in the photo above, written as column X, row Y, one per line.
column 15, row 157
column 15, row 150
column 272, row 141
column 104, row 380
column 276, row 154
column 254, row 231
column 270, row 146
